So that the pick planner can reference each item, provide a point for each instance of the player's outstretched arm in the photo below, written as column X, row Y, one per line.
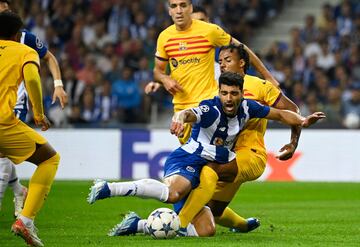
column 33, row 86
column 59, row 91
column 288, row 150
column 292, row 118
column 178, row 120
column 171, row 85
column 256, row 62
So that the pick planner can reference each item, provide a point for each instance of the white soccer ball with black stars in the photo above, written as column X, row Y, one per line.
column 163, row 223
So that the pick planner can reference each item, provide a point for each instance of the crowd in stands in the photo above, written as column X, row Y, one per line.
column 319, row 69
column 106, row 53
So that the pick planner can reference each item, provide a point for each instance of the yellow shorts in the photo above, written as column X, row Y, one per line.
column 251, row 166
column 18, row 142
column 187, row 133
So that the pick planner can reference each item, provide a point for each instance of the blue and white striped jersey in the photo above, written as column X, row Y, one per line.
column 214, row 134
column 34, row 42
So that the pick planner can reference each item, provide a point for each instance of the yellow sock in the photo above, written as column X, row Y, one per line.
column 231, row 219
column 199, row 196
column 39, row 186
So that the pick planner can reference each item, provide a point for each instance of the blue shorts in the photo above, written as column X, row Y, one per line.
column 21, row 114
column 184, row 164
column 180, row 204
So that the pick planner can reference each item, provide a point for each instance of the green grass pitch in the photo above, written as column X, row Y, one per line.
column 292, row 214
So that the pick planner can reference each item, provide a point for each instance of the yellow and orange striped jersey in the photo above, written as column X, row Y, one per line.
column 265, row 93
column 13, row 57
column 191, row 55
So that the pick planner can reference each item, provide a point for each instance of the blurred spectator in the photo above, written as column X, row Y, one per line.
column 87, row 73
column 352, row 107
column 106, row 51
column 127, row 98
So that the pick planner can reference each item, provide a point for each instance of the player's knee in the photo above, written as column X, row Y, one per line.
column 206, row 230
column 174, row 196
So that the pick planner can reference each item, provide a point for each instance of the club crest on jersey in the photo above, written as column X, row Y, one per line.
column 190, row 169
column 218, row 141
column 182, row 46
column 204, row 108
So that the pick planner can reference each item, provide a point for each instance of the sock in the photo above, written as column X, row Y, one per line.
column 199, row 196
column 39, row 186
column 142, row 227
column 14, row 181
column 5, row 171
column 191, row 231
column 231, row 219
column 144, row 188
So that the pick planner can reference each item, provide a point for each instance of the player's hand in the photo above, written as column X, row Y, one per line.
column 313, row 118
column 286, row 152
column 60, row 93
column 177, row 129
column 43, row 122
column 172, row 86
column 152, row 87
column 177, row 124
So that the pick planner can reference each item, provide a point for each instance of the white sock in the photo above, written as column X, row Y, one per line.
column 142, row 227
column 14, row 181
column 27, row 221
column 191, row 231
column 145, row 188
column 5, row 172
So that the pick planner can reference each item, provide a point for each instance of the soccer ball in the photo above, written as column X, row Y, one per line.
column 163, row 223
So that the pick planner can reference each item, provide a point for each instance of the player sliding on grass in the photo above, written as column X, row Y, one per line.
column 184, row 46
column 217, row 123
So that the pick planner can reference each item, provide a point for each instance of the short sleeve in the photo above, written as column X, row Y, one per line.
column 36, row 43
column 31, row 57
column 160, row 48
column 205, row 114
column 272, row 94
column 218, row 37
column 257, row 110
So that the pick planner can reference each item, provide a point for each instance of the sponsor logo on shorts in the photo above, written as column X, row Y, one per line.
column 190, row 169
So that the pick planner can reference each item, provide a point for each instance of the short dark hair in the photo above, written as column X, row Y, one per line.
column 6, row 1
column 231, row 79
column 190, row 1
column 199, row 9
column 242, row 53
column 10, row 24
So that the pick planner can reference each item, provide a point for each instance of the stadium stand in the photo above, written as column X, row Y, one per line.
column 106, row 51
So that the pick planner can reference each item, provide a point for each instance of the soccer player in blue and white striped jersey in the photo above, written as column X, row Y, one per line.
column 217, row 123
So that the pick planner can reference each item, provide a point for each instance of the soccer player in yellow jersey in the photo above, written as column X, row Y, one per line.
column 8, row 176
column 18, row 142
column 250, row 149
column 188, row 46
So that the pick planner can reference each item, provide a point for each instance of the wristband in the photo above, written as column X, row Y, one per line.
column 58, row 83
